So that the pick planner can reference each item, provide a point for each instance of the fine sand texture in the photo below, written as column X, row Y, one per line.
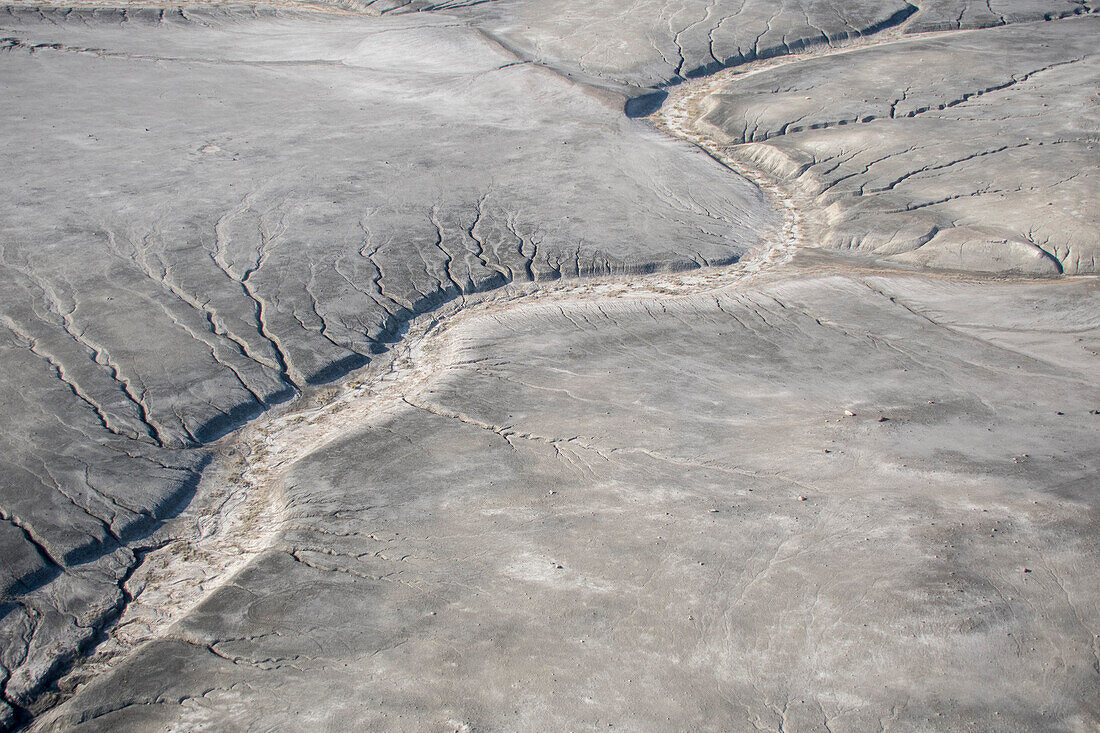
column 208, row 214
column 974, row 151
column 696, row 365
column 816, row 502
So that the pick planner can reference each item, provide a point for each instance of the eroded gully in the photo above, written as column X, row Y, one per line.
column 238, row 507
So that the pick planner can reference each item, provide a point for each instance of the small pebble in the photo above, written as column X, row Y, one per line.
column 802, row 498
column 849, row 413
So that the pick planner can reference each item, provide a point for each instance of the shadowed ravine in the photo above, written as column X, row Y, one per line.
column 240, row 511
column 477, row 427
column 241, row 505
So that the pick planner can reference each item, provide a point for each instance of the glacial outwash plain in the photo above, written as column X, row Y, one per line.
column 550, row 365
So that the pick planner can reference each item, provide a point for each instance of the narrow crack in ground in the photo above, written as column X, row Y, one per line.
column 239, row 509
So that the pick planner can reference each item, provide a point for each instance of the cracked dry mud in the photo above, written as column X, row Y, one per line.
column 847, row 483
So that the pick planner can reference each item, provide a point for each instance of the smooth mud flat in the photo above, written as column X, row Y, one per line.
column 508, row 365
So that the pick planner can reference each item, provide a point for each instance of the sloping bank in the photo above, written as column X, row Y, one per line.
column 229, row 206
column 286, row 289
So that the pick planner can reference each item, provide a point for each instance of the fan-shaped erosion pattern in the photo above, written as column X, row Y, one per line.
column 651, row 508
column 638, row 44
column 721, row 499
column 973, row 151
column 206, row 212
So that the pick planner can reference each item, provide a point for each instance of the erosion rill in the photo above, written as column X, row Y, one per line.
column 515, row 365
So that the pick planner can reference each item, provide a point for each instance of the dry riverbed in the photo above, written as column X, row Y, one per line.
column 823, row 488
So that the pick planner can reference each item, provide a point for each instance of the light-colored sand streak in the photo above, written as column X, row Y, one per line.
column 237, row 510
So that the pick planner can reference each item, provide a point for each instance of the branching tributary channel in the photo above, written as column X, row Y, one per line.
column 237, row 510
